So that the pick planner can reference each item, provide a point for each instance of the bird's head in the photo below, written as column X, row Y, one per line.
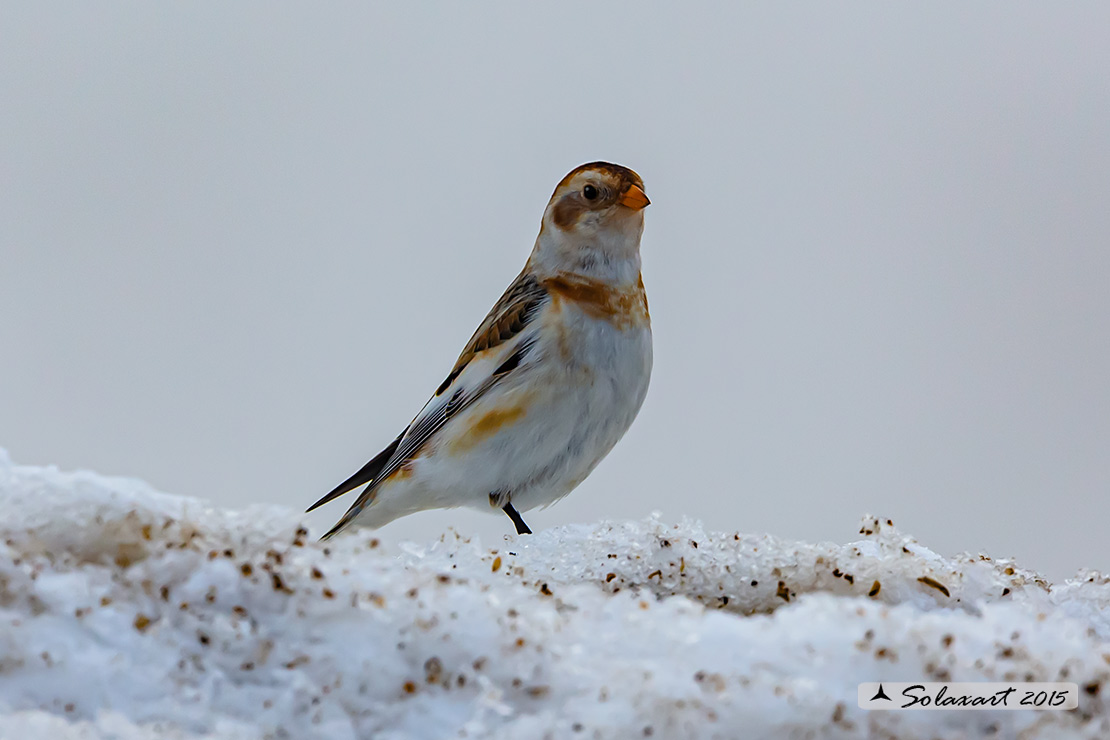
column 594, row 219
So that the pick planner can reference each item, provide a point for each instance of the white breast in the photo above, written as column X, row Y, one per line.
column 584, row 382
column 595, row 389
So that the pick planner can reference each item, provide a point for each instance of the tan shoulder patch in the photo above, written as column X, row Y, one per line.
column 486, row 425
column 624, row 308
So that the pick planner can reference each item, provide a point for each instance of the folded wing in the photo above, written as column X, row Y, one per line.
column 504, row 333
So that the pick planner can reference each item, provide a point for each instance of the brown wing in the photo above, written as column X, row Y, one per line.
column 512, row 313
column 508, row 318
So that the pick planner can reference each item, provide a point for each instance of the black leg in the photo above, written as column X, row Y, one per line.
column 521, row 527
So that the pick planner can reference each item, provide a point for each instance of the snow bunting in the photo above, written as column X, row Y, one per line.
column 548, row 384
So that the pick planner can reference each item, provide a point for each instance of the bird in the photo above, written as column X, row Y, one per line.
column 547, row 385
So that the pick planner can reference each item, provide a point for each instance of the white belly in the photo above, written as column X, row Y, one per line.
column 589, row 381
column 593, row 403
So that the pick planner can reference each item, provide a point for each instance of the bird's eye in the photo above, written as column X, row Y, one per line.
column 590, row 192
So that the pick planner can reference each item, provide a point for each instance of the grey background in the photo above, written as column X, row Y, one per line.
column 242, row 243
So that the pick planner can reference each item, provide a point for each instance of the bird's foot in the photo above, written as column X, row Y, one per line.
column 521, row 527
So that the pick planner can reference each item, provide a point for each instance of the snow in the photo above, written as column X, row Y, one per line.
column 128, row 613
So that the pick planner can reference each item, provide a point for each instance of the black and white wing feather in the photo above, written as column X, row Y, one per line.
column 504, row 338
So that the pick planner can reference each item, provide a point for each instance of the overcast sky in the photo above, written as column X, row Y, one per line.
column 242, row 243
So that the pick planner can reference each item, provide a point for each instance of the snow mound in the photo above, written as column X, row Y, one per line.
column 126, row 613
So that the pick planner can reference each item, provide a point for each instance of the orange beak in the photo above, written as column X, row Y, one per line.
column 634, row 198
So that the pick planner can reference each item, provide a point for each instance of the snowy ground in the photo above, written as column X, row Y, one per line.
column 126, row 613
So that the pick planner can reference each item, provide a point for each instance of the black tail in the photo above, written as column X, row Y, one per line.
column 366, row 474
